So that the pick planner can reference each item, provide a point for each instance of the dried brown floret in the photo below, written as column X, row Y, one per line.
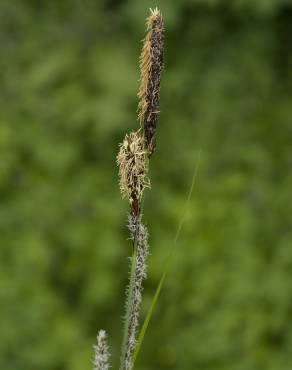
column 131, row 160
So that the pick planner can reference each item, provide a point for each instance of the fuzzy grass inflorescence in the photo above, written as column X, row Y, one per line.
column 139, row 236
column 151, row 65
column 133, row 169
column 101, row 353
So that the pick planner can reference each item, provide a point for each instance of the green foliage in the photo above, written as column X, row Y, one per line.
column 69, row 73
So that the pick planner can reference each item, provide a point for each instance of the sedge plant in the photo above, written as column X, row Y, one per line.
column 133, row 163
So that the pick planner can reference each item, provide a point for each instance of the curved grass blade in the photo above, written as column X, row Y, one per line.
column 167, row 267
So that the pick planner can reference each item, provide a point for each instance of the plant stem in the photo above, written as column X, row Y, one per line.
column 128, row 308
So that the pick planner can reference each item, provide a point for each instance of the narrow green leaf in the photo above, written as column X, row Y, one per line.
column 167, row 267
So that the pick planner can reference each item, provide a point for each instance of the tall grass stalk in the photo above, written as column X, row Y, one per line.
column 133, row 162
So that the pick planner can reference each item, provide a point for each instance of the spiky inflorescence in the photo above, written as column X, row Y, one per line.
column 131, row 160
column 101, row 354
column 139, row 235
column 151, row 65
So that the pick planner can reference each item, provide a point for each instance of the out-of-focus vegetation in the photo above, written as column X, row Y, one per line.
column 69, row 72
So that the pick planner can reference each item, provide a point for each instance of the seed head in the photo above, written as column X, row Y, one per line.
column 131, row 160
column 151, row 65
column 139, row 233
column 101, row 354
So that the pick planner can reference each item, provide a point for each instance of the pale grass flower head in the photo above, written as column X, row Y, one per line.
column 132, row 164
column 101, row 353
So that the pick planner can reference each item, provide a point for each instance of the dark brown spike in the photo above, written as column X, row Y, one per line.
column 151, row 65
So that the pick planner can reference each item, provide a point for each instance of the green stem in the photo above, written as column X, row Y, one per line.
column 129, row 301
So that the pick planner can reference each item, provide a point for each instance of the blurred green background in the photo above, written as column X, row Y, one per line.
column 69, row 78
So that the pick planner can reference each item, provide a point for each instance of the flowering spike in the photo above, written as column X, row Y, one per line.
column 131, row 160
column 139, row 234
column 101, row 354
column 151, row 65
